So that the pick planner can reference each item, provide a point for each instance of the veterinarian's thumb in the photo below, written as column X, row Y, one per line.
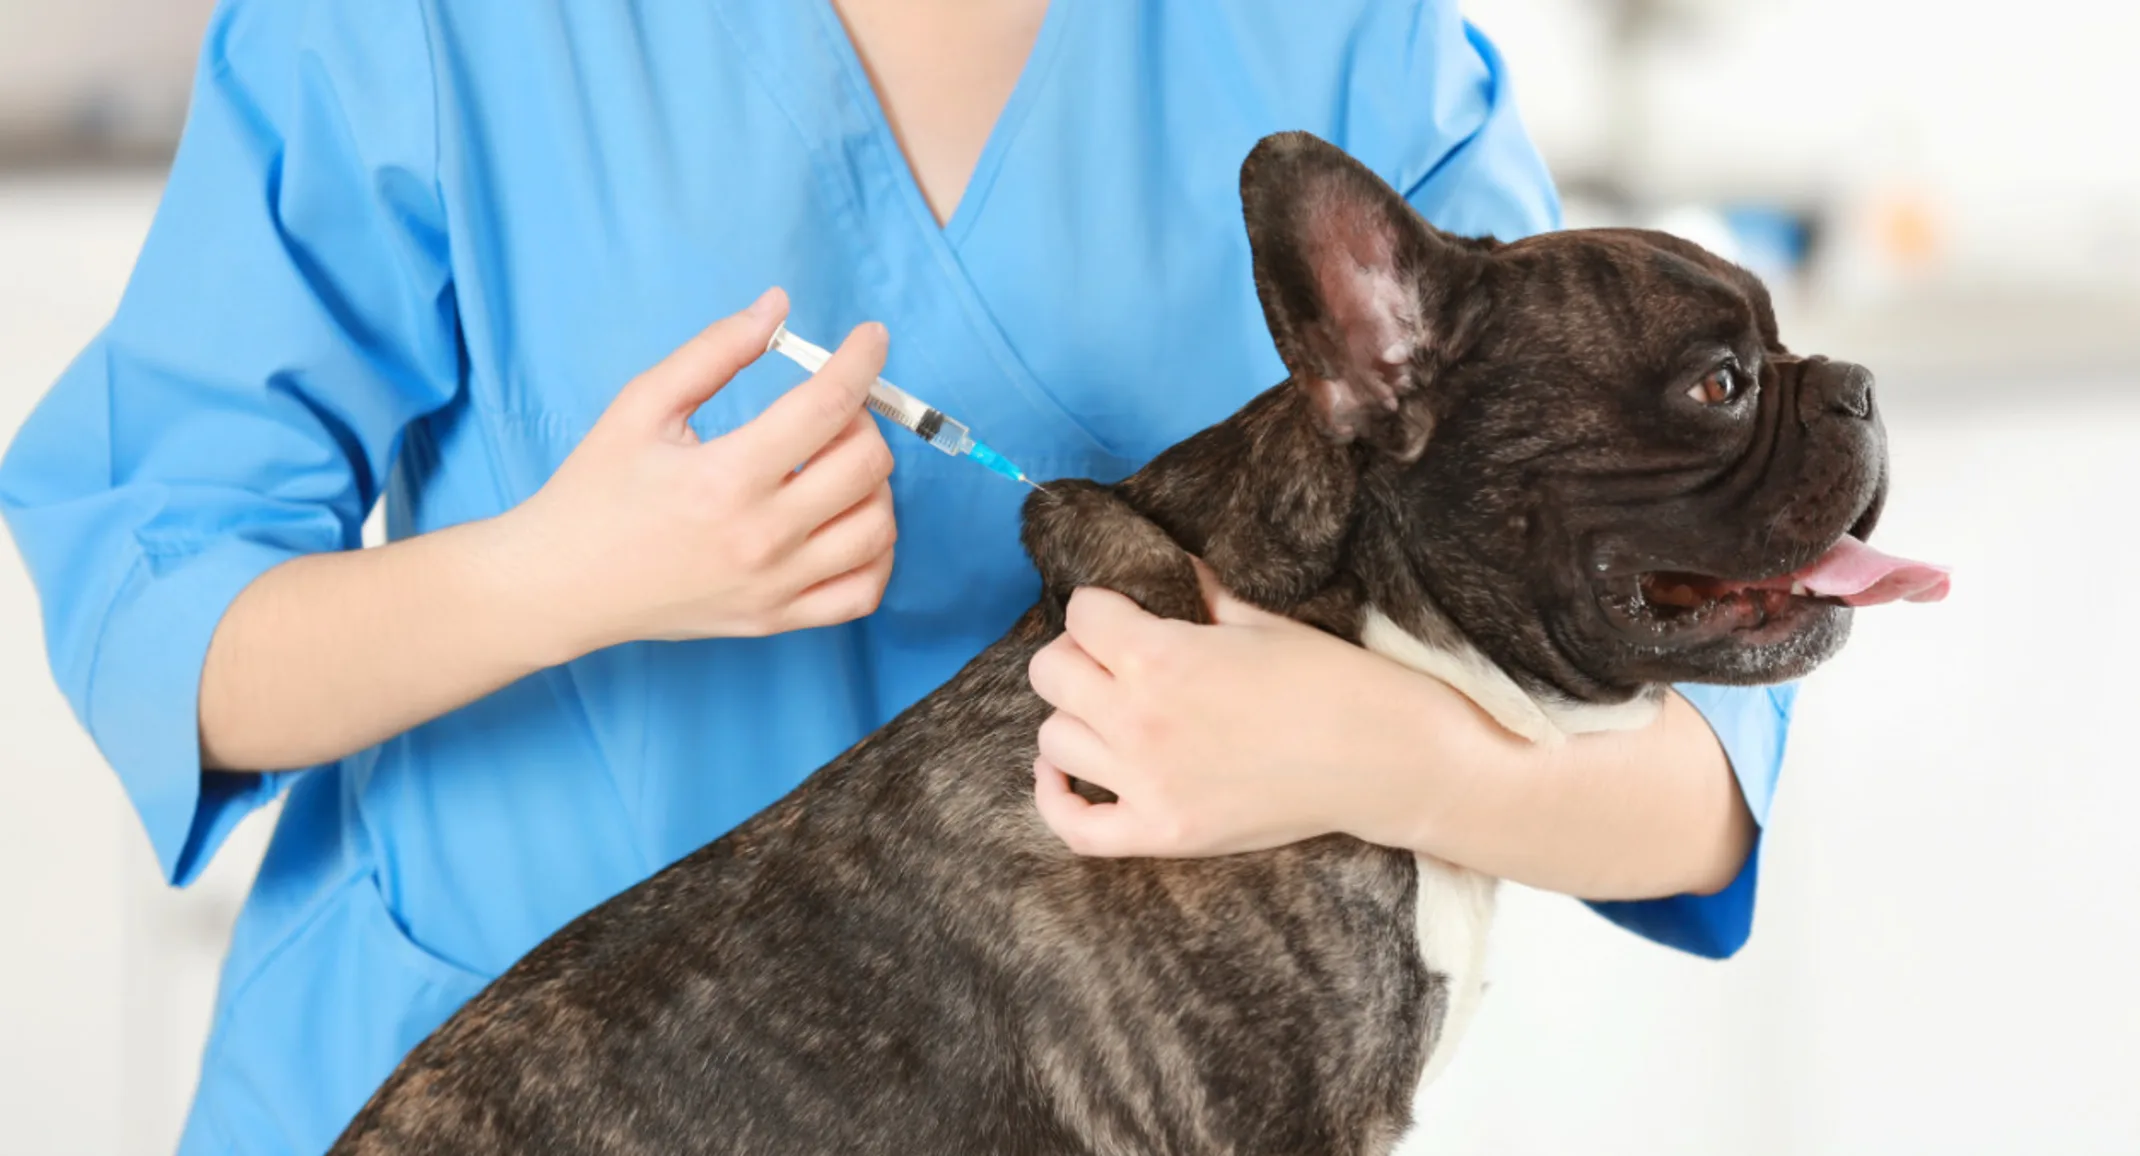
column 672, row 391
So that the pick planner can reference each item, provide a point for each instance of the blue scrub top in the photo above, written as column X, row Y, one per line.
column 412, row 248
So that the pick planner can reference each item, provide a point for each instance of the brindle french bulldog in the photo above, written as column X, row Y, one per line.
column 1559, row 473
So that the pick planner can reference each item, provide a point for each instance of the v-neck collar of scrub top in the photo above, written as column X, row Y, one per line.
column 802, row 54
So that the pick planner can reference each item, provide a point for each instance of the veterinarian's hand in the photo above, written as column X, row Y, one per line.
column 783, row 524
column 1217, row 739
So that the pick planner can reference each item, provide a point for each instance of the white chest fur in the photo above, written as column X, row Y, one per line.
column 1456, row 905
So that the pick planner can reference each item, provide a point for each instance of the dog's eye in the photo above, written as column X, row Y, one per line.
column 1723, row 384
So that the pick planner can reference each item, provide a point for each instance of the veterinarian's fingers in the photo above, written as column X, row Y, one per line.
column 851, row 541
column 1066, row 742
column 1085, row 827
column 1112, row 628
column 1066, row 678
column 670, row 392
column 803, row 420
column 1226, row 608
column 843, row 473
column 852, row 595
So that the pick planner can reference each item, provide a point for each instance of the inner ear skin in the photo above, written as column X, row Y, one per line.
column 1365, row 301
column 1367, row 306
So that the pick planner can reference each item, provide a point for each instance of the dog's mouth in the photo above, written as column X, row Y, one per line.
column 1849, row 573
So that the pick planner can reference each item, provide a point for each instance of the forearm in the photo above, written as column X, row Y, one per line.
column 1616, row 815
column 328, row 654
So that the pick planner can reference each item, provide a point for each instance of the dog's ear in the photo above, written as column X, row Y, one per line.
column 1365, row 300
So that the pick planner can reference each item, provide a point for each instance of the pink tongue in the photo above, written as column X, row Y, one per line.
column 1862, row 576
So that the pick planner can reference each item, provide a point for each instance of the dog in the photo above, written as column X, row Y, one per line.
column 1558, row 473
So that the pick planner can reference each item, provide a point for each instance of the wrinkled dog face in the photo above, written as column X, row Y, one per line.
column 1605, row 465
column 1635, row 451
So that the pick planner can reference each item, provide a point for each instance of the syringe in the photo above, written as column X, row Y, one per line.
column 904, row 409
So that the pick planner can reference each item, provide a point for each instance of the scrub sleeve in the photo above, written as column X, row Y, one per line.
column 290, row 313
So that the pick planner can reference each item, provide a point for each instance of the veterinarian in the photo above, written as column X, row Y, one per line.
column 466, row 254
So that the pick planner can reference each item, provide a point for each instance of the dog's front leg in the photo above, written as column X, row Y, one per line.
column 1081, row 533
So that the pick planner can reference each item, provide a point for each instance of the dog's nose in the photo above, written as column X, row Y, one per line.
column 1838, row 387
column 1853, row 392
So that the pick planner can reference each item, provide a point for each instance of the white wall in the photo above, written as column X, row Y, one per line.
column 2012, row 124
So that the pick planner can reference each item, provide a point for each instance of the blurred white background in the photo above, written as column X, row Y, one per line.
column 1948, row 937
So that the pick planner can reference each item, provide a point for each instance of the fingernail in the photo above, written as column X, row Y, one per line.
column 763, row 306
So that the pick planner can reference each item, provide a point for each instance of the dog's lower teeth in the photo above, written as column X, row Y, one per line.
column 1798, row 589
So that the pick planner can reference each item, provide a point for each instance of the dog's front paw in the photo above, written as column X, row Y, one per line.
column 1081, row 533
